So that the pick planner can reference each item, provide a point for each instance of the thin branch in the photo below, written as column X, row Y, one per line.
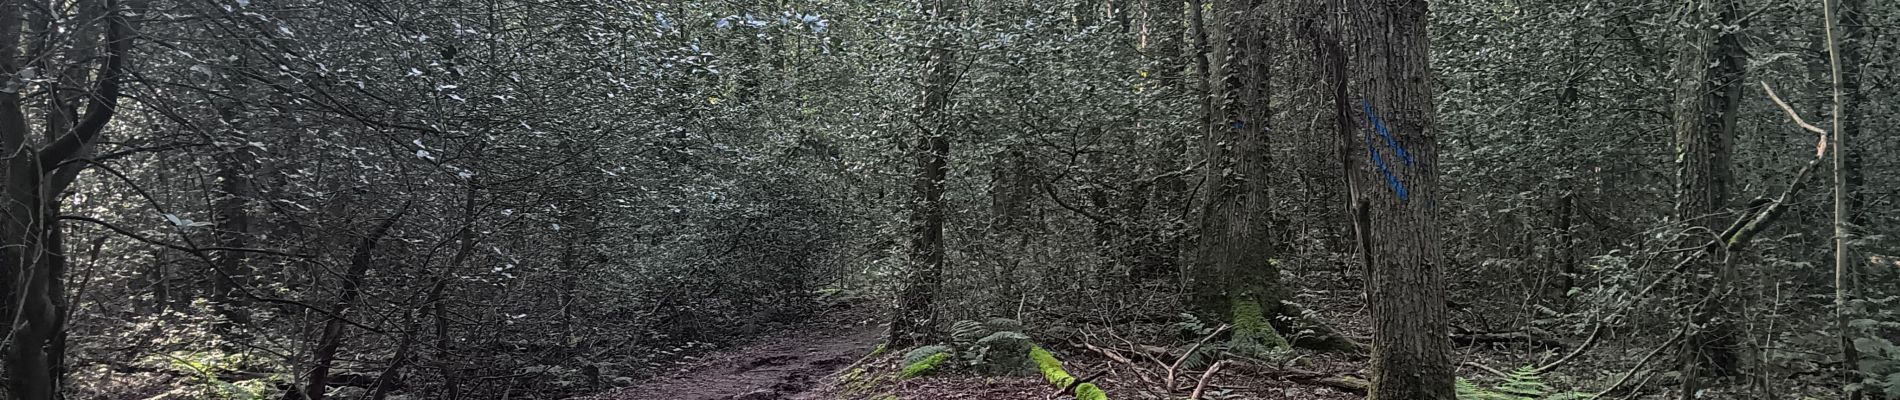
column 1205, row 376
column 1176, row 367
column 1641, row 362
column 142, row 238
column 1790, row 110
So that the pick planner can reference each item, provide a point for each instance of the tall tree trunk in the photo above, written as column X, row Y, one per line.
column 1395, row 190
column 32, row 260
column 1233, row 276
column 235, row 168
column 915, row 320
column 1711, row 70
column 1843, row 196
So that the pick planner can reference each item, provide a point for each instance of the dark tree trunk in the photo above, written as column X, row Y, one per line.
column 1394, row 184
column 1711, row 69
column 1233, row 276
column 332, row 338
column 235, row 166
column 915, row 320
column 32, row 258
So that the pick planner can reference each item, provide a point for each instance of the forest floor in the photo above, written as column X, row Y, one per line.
column 829, row 357
column 785, row 366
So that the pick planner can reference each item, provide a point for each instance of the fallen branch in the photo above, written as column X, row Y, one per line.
column 1111, row 354
column 1639, row 364
column 1341, row 382
column 1117, row 357
column 1176, row 367
column 1734, row 239
column 1201, row 386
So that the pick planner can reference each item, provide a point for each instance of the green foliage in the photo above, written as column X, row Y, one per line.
column 1253, row 335
column 1001, row 353
column 966, row 332
column 1192, row 327
column 1879, row 365
column 1879, row 357
column 207, row 369
column 1521, row 384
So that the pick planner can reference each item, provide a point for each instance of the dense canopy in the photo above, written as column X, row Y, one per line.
column 814, row 199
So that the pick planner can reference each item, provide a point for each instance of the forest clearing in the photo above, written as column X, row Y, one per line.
column 949, row 199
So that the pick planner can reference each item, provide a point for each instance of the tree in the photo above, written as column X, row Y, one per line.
column 1235, row 278
column 914, row 321
column 1711, row 69
column 1843, row 191
column 1395, row 192
column 32, row 250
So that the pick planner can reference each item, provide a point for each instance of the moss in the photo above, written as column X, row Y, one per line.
column 1253, row 335
column 1052, row 370
column 1088, row 391
column 919, row 354
column 923, row 366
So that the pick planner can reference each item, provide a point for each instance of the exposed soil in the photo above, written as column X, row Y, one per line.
column 785, row 366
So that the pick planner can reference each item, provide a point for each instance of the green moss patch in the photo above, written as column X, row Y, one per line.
column 924, row 366
column 1253, row 335
column 1052, row 370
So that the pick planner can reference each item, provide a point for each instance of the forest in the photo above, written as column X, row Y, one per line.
column 949, row 199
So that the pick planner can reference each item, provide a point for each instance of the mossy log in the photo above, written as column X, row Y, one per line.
column 1052, row 370
column 924, row 366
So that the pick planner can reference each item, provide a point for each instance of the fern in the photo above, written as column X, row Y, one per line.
column 966, row 332
column 1520, row 384
column 922, row 353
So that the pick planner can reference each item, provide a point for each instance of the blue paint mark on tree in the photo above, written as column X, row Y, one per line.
column 1372, row 150
column 1379, row 125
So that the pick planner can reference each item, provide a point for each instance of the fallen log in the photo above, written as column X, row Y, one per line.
column 1347, row 383
column 1051, row 370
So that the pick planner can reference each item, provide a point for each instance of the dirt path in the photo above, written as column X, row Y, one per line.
column 782, row 367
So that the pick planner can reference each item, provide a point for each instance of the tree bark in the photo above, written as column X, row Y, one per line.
column 31, row 254
column 1234, row 277
column 915, row 320
column 1711, row 68
column 1843, row 196
column 1394, row 185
